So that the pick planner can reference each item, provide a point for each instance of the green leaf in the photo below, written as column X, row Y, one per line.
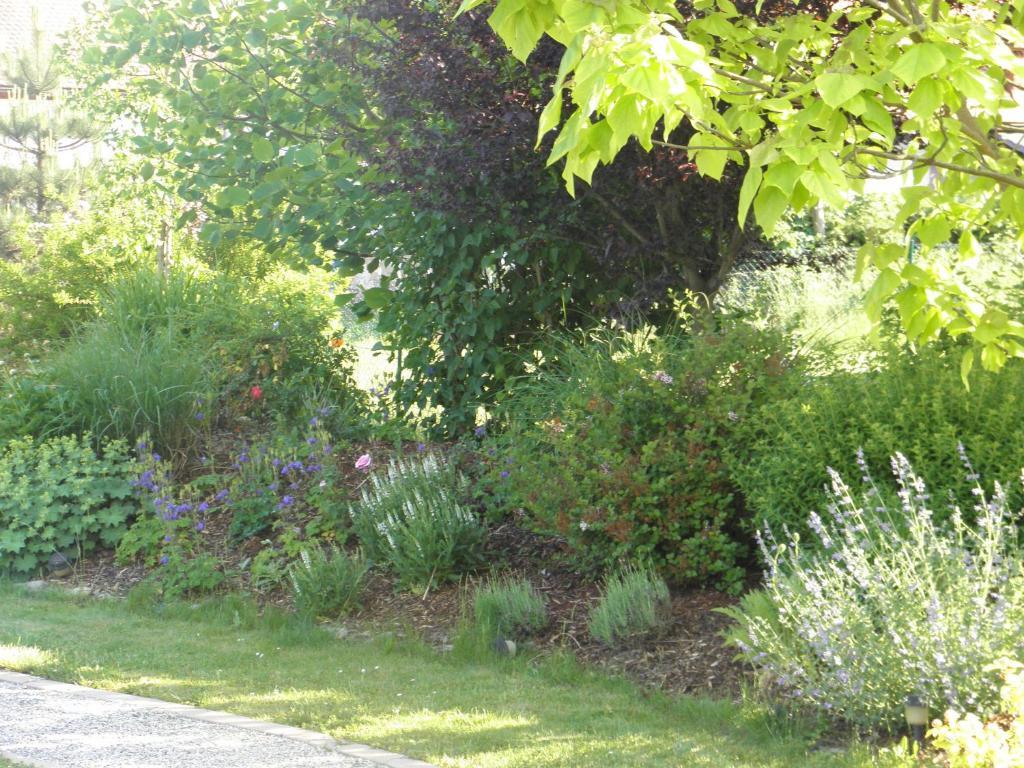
column 769, row 205
column 377, row 298
column 751, row 183
column 837, row 88
column 146, row 171
column 885, row 285
column 710, row 162
column 966, row 364
column 918, row 61
column 926, row 98
column 231, row 196
column 263, row 150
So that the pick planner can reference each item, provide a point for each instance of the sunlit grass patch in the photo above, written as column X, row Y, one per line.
column 25, row 658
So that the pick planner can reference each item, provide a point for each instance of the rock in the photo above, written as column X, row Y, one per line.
column 339, row 632
column 60, row 565
column 36, row 585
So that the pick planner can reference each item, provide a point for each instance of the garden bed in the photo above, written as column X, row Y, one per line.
column 690, row 657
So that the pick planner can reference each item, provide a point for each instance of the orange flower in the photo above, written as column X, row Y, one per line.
column 337, row 343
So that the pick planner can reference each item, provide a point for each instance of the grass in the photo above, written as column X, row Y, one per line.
column 398, row 695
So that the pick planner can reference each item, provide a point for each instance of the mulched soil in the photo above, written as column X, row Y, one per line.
column 690, row 657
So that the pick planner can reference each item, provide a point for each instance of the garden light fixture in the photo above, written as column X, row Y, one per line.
column 917, row 718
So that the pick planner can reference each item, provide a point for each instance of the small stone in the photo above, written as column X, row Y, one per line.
column 339, row 632
column 36, row 585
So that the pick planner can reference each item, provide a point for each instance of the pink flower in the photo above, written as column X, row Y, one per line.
column 256, row 392
column 364, row 462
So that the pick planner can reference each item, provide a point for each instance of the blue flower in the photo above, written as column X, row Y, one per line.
column 199, row 416
column 200, row 525
column 203, row 506
column 314, row 421
column 480, row 431
column 311, row 440
column 156, row 457
column 164, row 559
column 504, row 474
column 421, row 447
column 221, row 495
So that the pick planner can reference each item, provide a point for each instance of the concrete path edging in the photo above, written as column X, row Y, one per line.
column 312, row 738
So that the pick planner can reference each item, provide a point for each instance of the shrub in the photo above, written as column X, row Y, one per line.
column 620, row 448
column 410, row 519
column 634, row 604
column 327, row 582
column 912, row 403
column 60, row 494
column 967, row 741
column 889, row 602
column 511, row 608
column 170, row 353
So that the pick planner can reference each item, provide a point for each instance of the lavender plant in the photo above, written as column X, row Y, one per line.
column 410, row 519
column 888, row 603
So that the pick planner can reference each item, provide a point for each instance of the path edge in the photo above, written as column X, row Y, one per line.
column 312, row 738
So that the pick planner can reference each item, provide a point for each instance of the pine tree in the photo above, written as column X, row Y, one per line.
column 38, row 126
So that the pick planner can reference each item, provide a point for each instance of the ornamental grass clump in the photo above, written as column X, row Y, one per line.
column 509, row 608
column 410, row 519
column 634, row 605
column 327, row 582
column 888, row 603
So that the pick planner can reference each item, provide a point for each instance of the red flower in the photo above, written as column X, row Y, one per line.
column 256, row 392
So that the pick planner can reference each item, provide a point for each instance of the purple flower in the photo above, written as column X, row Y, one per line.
column 480, row 431
column 364, row 462
column 663, row 377
column 156, row 457
column 421, row 447
column 275, row 463
column 203, row 506
column 311, row 440
column 314, row 421
column 221, row 495
column 504, row 474
column 167, row 539
column 199, row 416
column 200, row 525
column 164, row 559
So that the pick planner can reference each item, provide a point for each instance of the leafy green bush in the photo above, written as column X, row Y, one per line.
column 410, row 519
column 28, row 406
column 634, row 604
column 510, row 608
column 620, row 448
column 890, row 602
column 59, row 494
column 170, row 354
column 915, row 403
column 327, row 582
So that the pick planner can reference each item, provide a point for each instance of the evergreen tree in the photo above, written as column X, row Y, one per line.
column 37, row 125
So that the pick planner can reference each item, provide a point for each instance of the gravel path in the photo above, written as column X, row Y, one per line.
column 45, row 723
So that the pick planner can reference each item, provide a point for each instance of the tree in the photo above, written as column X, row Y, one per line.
column 381, row 132
column 812, row 104
column 36, row 123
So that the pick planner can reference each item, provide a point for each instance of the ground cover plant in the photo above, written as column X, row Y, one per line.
column 887, row 601
column 61, row 498
column 398, row 696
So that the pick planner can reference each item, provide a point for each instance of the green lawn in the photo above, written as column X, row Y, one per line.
column 402, row 697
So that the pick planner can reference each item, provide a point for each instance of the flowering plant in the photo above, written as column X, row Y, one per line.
column 888, row 603
column 410, row 518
